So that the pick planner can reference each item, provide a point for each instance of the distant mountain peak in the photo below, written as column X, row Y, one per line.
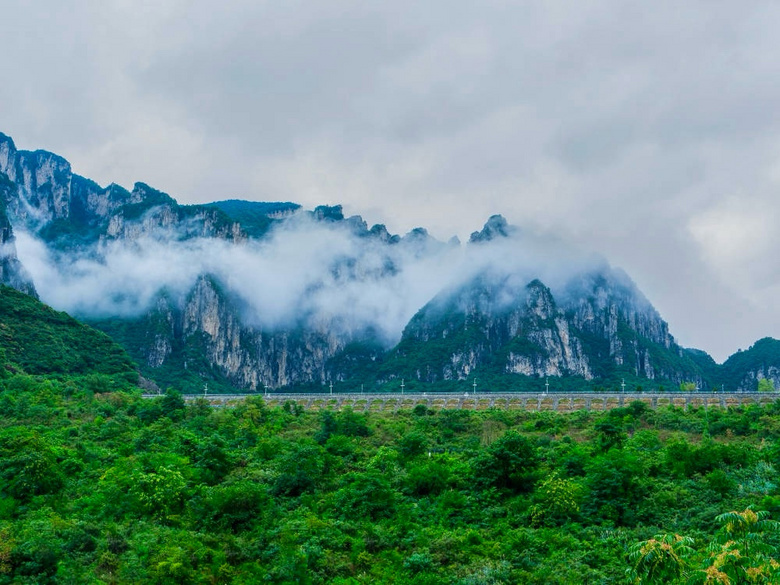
column 329, row 212
column 495, row 227
column 7, row 141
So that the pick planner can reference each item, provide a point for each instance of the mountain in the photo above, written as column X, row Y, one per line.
column 36, row 339
column 239, row 294
column 255, row 217
column 744, row 369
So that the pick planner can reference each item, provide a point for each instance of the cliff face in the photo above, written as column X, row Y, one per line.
column 204, row 336
column 43, row 180
column 12, row 273
column 601, row 325
column 67, row 210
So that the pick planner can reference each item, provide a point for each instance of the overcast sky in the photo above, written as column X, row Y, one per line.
column 649, row 132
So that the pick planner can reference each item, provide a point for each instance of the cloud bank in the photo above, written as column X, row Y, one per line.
column 320, row 274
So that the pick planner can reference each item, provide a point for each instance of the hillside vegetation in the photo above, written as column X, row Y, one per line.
column 36, row 339
column 106, row 487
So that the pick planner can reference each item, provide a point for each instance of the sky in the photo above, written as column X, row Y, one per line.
column 648, row 132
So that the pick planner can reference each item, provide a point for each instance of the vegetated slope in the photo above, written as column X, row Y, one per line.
column 745, row 368
column 36, row 339
column 112, row 488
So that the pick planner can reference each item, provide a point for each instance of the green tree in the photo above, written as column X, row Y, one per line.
column 557, row 500
column 509, row 463
column 161, row 492
column 662, row 559
column 742, row 551
column 614, row 488
column 28, row 465
column 366, row 495
column 172, row 404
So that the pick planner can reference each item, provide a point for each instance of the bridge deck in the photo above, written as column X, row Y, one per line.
column 553, row 401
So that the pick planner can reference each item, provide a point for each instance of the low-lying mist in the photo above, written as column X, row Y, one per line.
column 303, row 271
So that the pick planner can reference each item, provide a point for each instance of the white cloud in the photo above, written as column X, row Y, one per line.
column 321, row 274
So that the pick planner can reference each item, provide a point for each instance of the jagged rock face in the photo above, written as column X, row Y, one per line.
column 12, row 273
column 493, row 323
column 46, row 191
column 488, row 319
column 248, row 357
column 743, row 370
column 599, row 304
column 496, row 227
column 43, row 181
column 750, row 379
column 609, row 307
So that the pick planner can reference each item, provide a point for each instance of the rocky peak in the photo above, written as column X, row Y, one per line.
column 380, row 232
column 7, row 154
column 143, row 193
column 495, row 227
column 357, row 225
column 417, row 234
column 540, row 300
column 328, row 213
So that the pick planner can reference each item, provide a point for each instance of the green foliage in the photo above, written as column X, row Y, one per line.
column 172, row 404
column 508, row 463
column 742, row 551
column 28, row 465
column 367, row 495
column 660, row 559
column 558, row 500
column 109, row 487
column 614, row 483
column 39, row 340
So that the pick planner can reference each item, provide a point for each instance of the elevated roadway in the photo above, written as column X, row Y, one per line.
column 553, row 401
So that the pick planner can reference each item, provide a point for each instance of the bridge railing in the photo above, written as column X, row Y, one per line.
column 477, row 395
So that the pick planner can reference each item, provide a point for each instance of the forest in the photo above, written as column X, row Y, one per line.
column 99, row 485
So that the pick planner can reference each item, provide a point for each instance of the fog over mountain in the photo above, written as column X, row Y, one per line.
column 242, row 294
column 302, row 269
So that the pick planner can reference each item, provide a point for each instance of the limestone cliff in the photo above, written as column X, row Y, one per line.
column 67, row 210
column 12, row 273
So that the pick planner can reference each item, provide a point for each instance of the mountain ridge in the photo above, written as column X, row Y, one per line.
column 263, row 294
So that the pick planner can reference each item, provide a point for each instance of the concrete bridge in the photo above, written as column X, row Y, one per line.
column 553, row 401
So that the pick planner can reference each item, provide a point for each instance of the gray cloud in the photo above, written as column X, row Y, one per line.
column 646, row 131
